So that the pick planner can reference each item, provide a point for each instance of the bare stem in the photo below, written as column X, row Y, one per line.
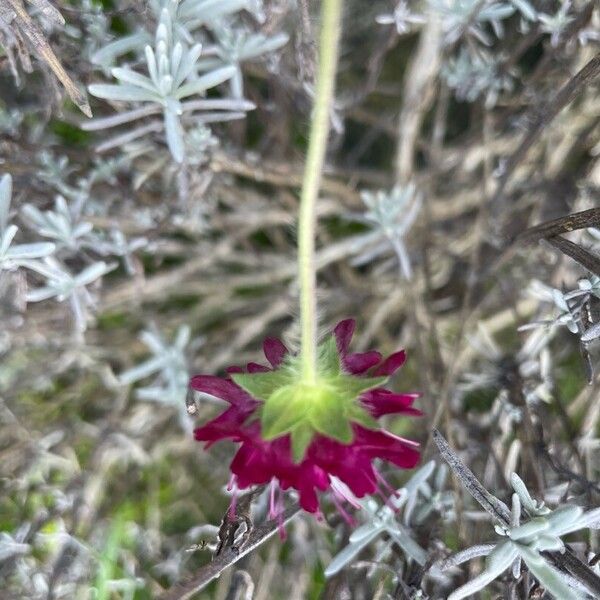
column 319, row 129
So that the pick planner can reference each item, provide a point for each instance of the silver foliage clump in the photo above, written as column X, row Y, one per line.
column 61, row 284
column 234, row 46
column 555, row 24
column 391, row 214
column 14, row 255
column 168, row 364
column 65, row 268
column 571, row 308
column 474, row 75
column 524, row 542
column 63, row 225
column 472, row 72
column 171, row 77
column 193, row 48
column 188, row 16
column 402, row 18
column 470, row 17
column 410, row 505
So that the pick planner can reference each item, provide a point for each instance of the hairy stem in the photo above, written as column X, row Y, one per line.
column 319, row 129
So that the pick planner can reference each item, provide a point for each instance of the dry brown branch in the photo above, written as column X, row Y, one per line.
column 229, row 557
column 41, row 48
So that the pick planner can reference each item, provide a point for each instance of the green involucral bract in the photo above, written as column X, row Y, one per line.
column 327, row 406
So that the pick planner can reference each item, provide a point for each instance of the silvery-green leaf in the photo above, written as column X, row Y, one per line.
column 183, row 337
column 559, row 299
column 564, row 520
column 548, row 576
column 82, row 229
column 106, row 55
column 529, row 504
column 49, row 268
column 531, row 528
column 176, row 56
column 151, row 64
column 590, row 519
column 153, row 341
column 261, row 45
column 30, row 251
column 130, row 93
column 91, row 273
column 209, row 10
column 515, row 513
column 410, row 547
column 174, row 134
column 188, row 64
column 364, row 531
column 498, row 561
column 525, row 9
column 497, row 12
column 133, row 78
column 40, row 294
column 548, row 543
column 205, row 82
column 208, row 63
column 464, row 555
column 347, row 555
column 154, row 393
column 33, row 214
column 419, row 477
column 143, row 370
column 165, row 87
column 7, row 238
column 5, row 197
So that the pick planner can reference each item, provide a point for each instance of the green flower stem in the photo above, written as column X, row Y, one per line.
column 331, row 11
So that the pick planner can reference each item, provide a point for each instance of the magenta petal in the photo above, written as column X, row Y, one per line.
column 360, row 362
column 275, row 351
column 383, row 402
column 222, row 388
column 227, row 425
column 391, row 364
column 251, row 466
column 253, row 367
column 234, row 369
column 403, row 456
column 307, row 479
column 343, row 334
column 360, row 480
column 345, row 462
column 382, row 444
column 308, row 499
column 308, row 494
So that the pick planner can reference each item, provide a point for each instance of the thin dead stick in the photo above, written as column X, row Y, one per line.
column 229, row 557
column 587, row 75
column 498, row 510
column 37, row 40
column 419, row 90
column 586, row 259
column 573, row 222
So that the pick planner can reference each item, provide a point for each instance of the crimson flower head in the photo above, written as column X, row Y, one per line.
column 303, row 435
